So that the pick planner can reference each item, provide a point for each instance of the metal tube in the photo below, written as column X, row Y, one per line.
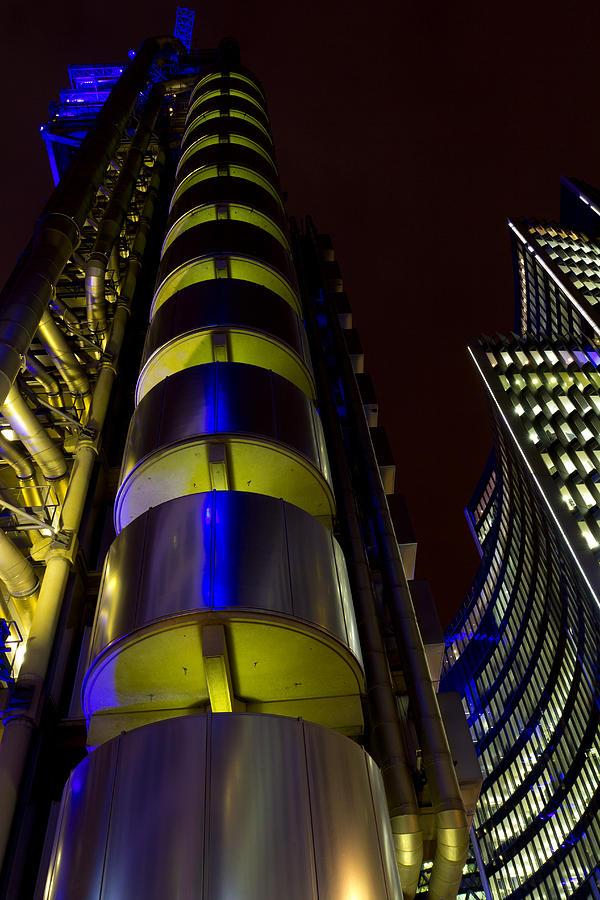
column 16, row 571
column 57, row 348
column 34, row 436
column 16, row 460
column 451, row 822
column 17, row 574
column 21, row 728
column 24, row 471
column 58, row 228
column 387, row 738
column 45, row 379
column 114, row 215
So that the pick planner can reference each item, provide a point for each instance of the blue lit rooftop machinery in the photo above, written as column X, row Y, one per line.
column 184, row 25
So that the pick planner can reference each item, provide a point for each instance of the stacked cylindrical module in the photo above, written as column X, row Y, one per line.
column 225, row 590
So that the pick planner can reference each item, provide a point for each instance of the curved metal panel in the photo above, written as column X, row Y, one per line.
column 207, row 551
column 223, row 265
column 225, row 125
column 240, row 73
column 274, row 439
column 262, row 330
column 225, row 806
column 225, row 102
column 229, row 189
column 219, row 136
column 234, row 90
column 226, row 117
column 231, row 237
column 234, row 211
column 228, row 155
column 238, row 559
column 226, row 82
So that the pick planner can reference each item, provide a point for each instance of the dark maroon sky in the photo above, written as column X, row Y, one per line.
column 409, row 132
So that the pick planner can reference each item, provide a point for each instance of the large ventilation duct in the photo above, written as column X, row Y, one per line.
column 34, row 436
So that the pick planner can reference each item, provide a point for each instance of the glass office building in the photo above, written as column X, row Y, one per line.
column 524, row 650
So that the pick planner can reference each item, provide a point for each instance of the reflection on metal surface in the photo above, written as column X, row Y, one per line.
column 269, row 572
column 261, row 328
column 272, row 433
column 225, row 806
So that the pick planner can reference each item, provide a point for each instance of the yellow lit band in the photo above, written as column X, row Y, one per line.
column 206, row 268
column 231, row 211
column 230, row 114
column 210, row 95
column 203, row 173
column 213, row 76
column 210, row 140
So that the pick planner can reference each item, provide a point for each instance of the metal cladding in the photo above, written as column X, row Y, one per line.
column 237, row 320
column 224, row 425
column 271, row 574
column 225, row 590
column 225, row 805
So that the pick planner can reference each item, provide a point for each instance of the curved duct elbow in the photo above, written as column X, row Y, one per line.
column 450, row 855
column 16, row 572
column 45, row 379
column 95, row 301
column 33, row 435
column 15, row 459
column 62, row 356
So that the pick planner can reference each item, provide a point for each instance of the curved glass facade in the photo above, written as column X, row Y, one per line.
column 524, row 651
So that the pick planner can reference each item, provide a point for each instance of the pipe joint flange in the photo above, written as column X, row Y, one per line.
column 97, row 256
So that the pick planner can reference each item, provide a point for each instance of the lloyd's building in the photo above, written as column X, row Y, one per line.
column 211, row 651
column 525, row 650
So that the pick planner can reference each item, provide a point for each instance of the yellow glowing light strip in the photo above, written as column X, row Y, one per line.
column 534, row 476
column 557, row 281
column 210, row 140
column 203, row 173
column 231, row 114
column 208, row 268
column 233, row 92
column 214, row 75
column 236, row 212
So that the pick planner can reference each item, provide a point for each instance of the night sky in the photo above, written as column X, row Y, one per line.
column 409, row 132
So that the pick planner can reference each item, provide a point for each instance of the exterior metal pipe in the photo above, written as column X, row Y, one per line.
column 24, row 471
column 60, row 308
column 45, row 379
column 57, row 348
column 389, row 748
column 58, row 228
column 21, row 728
column 17, row 574
column 451, row 821
column 16, row 571
column 112, row 221
column 34, row 436
column 16, row 460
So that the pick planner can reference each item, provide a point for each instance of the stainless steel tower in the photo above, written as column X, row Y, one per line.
column 232, row 655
